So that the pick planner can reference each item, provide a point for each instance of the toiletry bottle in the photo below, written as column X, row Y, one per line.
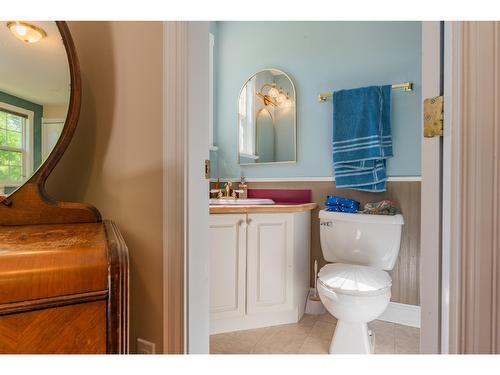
column 243, row 188
column 214, row 193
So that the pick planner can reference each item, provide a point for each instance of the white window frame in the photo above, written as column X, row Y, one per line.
column 246, row 121
column 211, row 44
column 27, row 143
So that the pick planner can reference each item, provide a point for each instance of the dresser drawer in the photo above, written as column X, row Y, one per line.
column 72, row 329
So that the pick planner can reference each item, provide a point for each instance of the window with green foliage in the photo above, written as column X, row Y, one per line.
column 12, row 140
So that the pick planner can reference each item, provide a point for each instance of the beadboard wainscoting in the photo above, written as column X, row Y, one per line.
column 405, row 275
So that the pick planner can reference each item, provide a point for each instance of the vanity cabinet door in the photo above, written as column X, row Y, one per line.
column 228, row 236
column 269, row 262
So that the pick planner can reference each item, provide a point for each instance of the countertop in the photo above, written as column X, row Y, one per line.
column 269, row 208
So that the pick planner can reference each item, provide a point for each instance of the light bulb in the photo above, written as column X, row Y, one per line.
column 281, row 98
column 26, row 32
column 273, row 91
column 288, row 102
column 20, row 29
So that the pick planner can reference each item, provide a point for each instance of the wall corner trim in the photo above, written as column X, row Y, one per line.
column 175, row 119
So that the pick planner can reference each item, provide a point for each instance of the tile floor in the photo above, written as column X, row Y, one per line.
column 312, row 335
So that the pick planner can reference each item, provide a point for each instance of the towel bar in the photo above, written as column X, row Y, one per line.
column 407, row 86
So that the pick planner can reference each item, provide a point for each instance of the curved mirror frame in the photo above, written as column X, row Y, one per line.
column 267, row 119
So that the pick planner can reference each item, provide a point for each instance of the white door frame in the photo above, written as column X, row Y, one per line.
column 198, row 186
column 185, row 189
column 430, row 228
column 451, row 177
column 471, row 296
column 174, row 186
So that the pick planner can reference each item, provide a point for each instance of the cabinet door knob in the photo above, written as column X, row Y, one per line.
column 250, row 222
column 243, row 224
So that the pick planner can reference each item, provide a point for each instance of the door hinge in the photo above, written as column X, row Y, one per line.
column 433, row 117
column 207, row 169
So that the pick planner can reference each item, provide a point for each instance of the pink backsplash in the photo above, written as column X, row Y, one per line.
column 282, row 196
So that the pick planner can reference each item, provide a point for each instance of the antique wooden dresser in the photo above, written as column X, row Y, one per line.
column 63, row 270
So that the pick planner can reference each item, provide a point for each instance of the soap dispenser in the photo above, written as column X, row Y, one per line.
column 243, row 188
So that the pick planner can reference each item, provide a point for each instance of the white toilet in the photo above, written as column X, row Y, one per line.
column 356, row 288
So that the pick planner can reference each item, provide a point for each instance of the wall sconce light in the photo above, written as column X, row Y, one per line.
column 274, row 96
column 273, row 91
column 270, row 96
column 26, row 32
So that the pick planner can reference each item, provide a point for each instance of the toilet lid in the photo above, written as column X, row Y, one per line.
column 354, row 279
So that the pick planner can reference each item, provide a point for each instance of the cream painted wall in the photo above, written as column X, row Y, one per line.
column 55, row 111
column 115, row 159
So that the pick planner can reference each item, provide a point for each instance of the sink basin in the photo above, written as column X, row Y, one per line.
column 240, row 201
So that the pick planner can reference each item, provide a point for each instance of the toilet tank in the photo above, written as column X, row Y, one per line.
column 370, row 240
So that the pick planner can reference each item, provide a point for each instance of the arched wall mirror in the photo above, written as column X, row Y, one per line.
column 267, row 119
column 35, row 90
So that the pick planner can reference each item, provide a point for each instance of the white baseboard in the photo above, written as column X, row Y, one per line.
column 400, row 313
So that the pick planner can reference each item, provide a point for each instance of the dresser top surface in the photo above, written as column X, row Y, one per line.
column 44, row 261
column 51, row 237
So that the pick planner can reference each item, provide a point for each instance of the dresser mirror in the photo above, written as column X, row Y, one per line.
column 34, row 98
column 267, row 119
column 63, row 270
column 40, row 96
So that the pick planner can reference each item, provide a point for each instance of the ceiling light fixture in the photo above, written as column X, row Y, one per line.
column 26, row 32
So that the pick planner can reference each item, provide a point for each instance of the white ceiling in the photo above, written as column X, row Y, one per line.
column 37, row 72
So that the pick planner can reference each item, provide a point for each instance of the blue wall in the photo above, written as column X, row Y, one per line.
column 319, row 57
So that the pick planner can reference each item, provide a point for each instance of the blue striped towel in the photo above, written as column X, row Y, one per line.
column 362, row 138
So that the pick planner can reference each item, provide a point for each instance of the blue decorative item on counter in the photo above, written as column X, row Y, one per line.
column 339, row 204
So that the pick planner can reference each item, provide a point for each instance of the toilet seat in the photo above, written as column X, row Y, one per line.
column 354, row 279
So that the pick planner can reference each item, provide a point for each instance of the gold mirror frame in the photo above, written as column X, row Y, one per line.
column 294, row 121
